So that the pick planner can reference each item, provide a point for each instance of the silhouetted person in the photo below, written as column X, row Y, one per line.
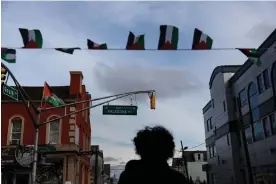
column 155, row 146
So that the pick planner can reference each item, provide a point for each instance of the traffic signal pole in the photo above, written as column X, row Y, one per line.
column 37, row 111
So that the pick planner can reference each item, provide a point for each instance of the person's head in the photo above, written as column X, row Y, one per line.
column 155, row 143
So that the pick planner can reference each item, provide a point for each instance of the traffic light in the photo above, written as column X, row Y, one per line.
column 152, row 100
column 3, row 75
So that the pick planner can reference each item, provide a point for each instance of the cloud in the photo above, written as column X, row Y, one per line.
column 179, row 77
column 114, row 142
column 165, row 80
column 110, row 159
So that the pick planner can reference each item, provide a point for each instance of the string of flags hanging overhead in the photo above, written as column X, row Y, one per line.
column 168, row 40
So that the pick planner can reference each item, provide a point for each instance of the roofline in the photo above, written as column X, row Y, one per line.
column 207, row 106
column 266, row 44
column 223, row 69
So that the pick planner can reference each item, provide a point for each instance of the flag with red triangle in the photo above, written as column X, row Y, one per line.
column 31, row 38
column 96, row 46
column 252, row 55
column 135, row 42
column 168, row 39
column 201, row 41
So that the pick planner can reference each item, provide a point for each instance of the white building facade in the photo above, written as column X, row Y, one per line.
column 195, row 160
column 243, row 98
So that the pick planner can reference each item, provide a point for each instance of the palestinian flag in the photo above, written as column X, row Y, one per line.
column 50, row 97
column 67, row 50
column 93, row 45
column 31, row 38
column 253, row 55
column 201, row 41
column 8, row 55
column 135, row 42
column 168, row 38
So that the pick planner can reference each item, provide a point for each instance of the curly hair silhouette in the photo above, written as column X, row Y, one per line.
column 155, row 143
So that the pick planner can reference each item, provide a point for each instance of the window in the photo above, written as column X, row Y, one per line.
column 243, row 97
column 209, row 124
column 273, row 123
column 266, row 79
column 224, row 106
column 254, row 102
column 258, row 131
column 54, row 132
column 214, row 150
column 267, row 127
column 210, row 152
column 16, row 131
column 260, row 84
column 248, row 134
column 198, row 156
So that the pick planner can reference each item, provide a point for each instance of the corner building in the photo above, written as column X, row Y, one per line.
column 68, row 136
column 242, row 94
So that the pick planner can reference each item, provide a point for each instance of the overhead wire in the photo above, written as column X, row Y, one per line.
column 124, row 49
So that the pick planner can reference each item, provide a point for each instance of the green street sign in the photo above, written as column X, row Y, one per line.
column 46, row 149
column 11, row 92
column 119, row 110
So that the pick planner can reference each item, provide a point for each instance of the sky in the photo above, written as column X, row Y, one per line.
column 180, row 78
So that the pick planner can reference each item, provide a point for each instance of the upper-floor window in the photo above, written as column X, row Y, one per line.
column 16, row 131
column 248, row 134
column 243, row 97
column 266, row 79
column 228, row 140
column 198, row 157
column 209, row 124
column 273, row 122
column 267, row 127
column 260, row 83
column 253, row 102
column 212, row 151
column 54, row 132
column 258, row 131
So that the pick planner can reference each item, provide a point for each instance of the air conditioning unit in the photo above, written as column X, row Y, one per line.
column 15, row 142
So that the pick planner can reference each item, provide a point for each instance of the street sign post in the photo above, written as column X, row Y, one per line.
column 11, row 92
column 119, row 110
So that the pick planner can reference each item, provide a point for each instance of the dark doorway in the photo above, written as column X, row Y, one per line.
column 22, row 179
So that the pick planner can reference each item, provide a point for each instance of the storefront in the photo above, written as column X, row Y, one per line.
column 16, row 166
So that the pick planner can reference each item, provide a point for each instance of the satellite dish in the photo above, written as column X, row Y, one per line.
column 24, row 155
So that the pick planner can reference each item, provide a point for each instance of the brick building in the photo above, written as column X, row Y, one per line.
column 68, row 136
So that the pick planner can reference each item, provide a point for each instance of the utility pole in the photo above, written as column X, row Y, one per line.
column 185, row 161
column 96, row 165
column 244, row 143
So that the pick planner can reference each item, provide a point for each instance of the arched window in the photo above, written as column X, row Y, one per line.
column 258, row 130
column 54, row 132
column 16, row 130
